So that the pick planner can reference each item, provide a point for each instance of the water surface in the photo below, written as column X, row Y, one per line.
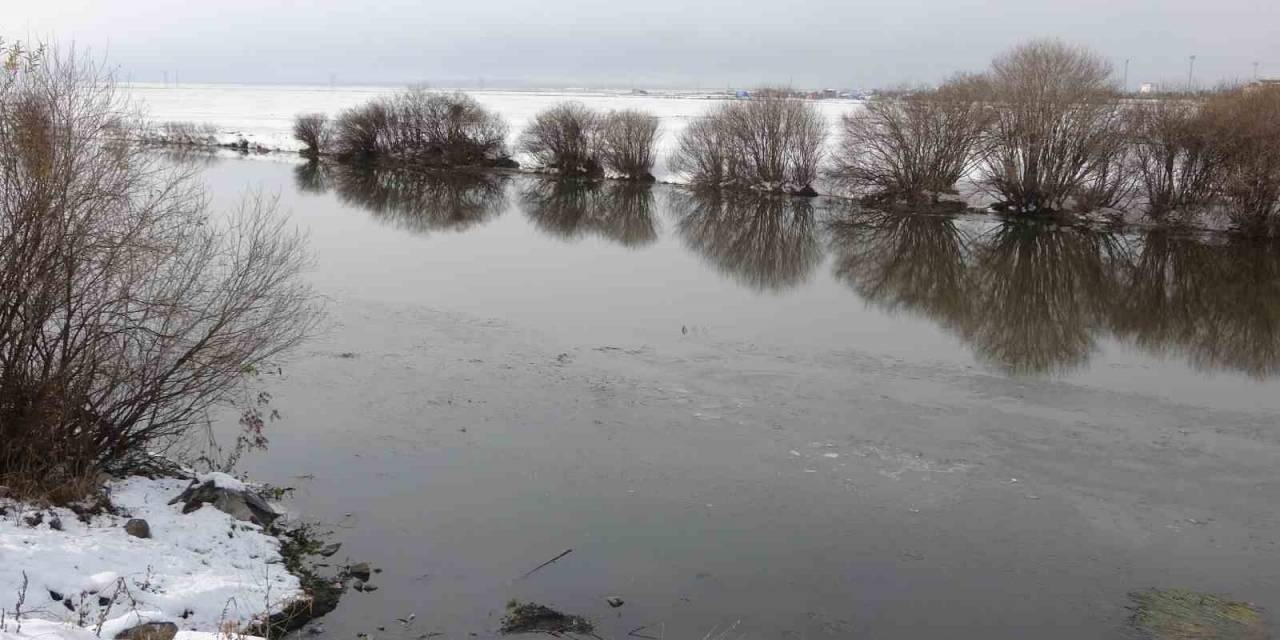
column 780, row 414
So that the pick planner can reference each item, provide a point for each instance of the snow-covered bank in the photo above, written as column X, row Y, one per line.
column 204, row 571
column 262, row 116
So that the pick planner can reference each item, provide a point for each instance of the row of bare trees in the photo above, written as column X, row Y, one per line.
column 131, row 310
column 453, row 130
column 1045, row 129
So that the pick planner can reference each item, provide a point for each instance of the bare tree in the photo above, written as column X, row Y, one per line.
column 626, row 144
column 449, row 129
column 312, row 130
column 1245, row 129
column 1055, row 120
column 130, row 309
column 564, row 139
column 912, row 147
column 769, row 144
column 362, row 133
column 1173, row 155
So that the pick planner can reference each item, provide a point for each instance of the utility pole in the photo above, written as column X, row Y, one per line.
column 1191, row 69
column 1126, row 75
column 1255, row 69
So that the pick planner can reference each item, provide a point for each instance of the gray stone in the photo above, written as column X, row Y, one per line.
column 149, row 631
column 330, row 549
column 360, row 571
column 615, row 601
column 138, row 528
column 241, row 505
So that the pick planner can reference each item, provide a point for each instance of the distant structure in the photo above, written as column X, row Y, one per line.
column 1263, row 83
column 1149, row 87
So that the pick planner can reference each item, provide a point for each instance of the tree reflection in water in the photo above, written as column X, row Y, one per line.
column 1036, row 297
column 767, row 242
column 418, row 201
column 621, row 212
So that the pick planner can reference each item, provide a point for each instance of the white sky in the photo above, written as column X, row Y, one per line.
column 650, row 43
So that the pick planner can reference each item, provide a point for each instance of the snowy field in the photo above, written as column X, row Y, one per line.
column 204, row 570
column 264, row 114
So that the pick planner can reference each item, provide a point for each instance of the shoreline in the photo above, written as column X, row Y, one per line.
column 190, row 556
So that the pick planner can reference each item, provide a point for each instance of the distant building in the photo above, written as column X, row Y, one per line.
column 1149, row 87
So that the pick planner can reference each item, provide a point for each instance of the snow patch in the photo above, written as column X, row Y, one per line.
column 198, row 570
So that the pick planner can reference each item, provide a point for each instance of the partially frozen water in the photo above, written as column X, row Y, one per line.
column 770, row 413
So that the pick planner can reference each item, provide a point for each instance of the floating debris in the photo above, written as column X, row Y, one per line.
column 1179, row 614
column 528, row 617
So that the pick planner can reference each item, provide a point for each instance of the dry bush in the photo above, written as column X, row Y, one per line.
column 312, row 130
column 1173, row 154
column 626, row 141
column 130, row 311
column 1245, row 129
column 449, row 129
column 769, row 144
column 362, row 133
column 912, row 147
column 564, row 139
column 1054, row 124
column 185, row 134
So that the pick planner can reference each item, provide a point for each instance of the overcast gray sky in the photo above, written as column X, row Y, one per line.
column 645, row 43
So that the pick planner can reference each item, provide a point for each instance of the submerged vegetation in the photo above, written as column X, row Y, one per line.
column 1178, row 614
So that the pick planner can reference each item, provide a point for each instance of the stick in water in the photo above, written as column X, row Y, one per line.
column 566, row 552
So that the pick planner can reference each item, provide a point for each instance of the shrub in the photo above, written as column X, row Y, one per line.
column 1173, row 155
column 187, row 133
column 564, row 139
column 626, row 144
column 312, row 130
column 1054, row 124
column 769, row 144
column 363, row 133
column 449, row 129
column 1245, row 129
column 130, row 311
column 911, row 147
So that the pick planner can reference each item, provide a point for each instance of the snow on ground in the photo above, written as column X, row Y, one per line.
column 205, row 565
column 47, row 630
column 264, row 115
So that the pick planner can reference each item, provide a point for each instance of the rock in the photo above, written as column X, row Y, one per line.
column 370, row 587
column 330, row 549
column 104, row 601
column 149, row 631
column 55, row 523
column 315, row 629
column 242, row 505
column 615, row 601
column 57, row 597
column 358, row 585
column 360, row 571
column 138, row 528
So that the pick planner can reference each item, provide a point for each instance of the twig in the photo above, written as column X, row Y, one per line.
column 632, row 633
column 531, row 571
